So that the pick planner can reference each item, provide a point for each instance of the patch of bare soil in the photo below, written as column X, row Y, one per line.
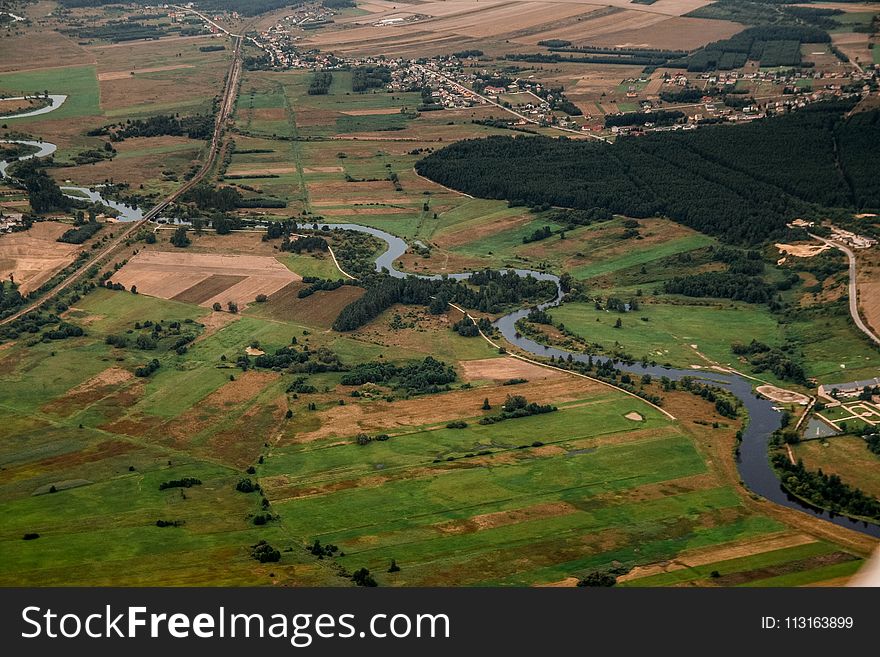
column 781, row 395
column 33, row 256
column 99, row 386
column 502, row 518
column 504, row 369
column 346, row 421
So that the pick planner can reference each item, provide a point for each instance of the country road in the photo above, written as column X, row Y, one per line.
column 224, row 112
column 853, row 288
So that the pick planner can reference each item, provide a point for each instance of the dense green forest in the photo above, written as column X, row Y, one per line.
column 772, row 45
column 43, row 192
column 364, row 78
column 741, row 183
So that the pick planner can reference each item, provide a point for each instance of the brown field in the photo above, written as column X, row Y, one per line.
column 376, row 111
column 348, row 420
column 165, row 74
column 319, row 310
column 33, row 256
column 139, row 159
column 262, row 171
column 846, row 456
column 440, row 262
column 192, row 276
column 122, row 75
column 503, row 369
column 673, row 33
column 8, row 106
column 854, row 45
column 724, row 552
column 326, row 169
column 17, row 52
column 869, row 286
column 443, row 26
column 208, row 288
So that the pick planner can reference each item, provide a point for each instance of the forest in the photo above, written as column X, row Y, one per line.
column 199, row 126
column 494, row 291
column 364, row 78
column 741, row 183
column 43, row 191
column 771, row 45
column 418, row 377
column 320, row 83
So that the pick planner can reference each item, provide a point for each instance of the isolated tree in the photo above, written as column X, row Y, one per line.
column 232, row 306
column 180, row 239
column 217, row 307
column 486, row 405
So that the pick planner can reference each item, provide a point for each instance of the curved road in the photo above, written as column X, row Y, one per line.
column 853, row 288
column 225, row 111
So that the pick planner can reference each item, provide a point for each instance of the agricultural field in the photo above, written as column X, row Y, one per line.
column 679, row 334
column 846, row 456
column 442, row 27
column 33, row 257
column 190, row 398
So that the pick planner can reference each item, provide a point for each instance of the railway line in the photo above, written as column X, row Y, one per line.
column 224, row 112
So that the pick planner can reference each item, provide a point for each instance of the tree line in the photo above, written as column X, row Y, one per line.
column 198, row 126
column 741, row 183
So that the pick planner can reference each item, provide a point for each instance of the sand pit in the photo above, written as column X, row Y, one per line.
column 34, row 256
column 781, row 395
column 802, row 250
column 635, row 417
column 503, row 369
column 122, row 75
column 204, row 278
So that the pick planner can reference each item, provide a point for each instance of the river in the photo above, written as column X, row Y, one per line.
column 752, row 462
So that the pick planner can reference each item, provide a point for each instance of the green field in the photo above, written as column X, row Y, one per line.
column 846, row 456
column 78, row 82
column 728, row 572
column 641, row 256
column 671, row 329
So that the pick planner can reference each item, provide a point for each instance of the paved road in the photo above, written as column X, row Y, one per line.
column 853, row 288
column 225, row 111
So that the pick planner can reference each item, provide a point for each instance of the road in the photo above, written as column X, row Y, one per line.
column 470, row 92
column 853, row 287
column 227, row 104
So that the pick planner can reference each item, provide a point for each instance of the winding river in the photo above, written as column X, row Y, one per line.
column 752, row 462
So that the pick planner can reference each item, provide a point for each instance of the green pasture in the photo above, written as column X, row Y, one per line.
column 671, row 329
column 80, row 83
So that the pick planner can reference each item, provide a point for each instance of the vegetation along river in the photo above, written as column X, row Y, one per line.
column 752, row 461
